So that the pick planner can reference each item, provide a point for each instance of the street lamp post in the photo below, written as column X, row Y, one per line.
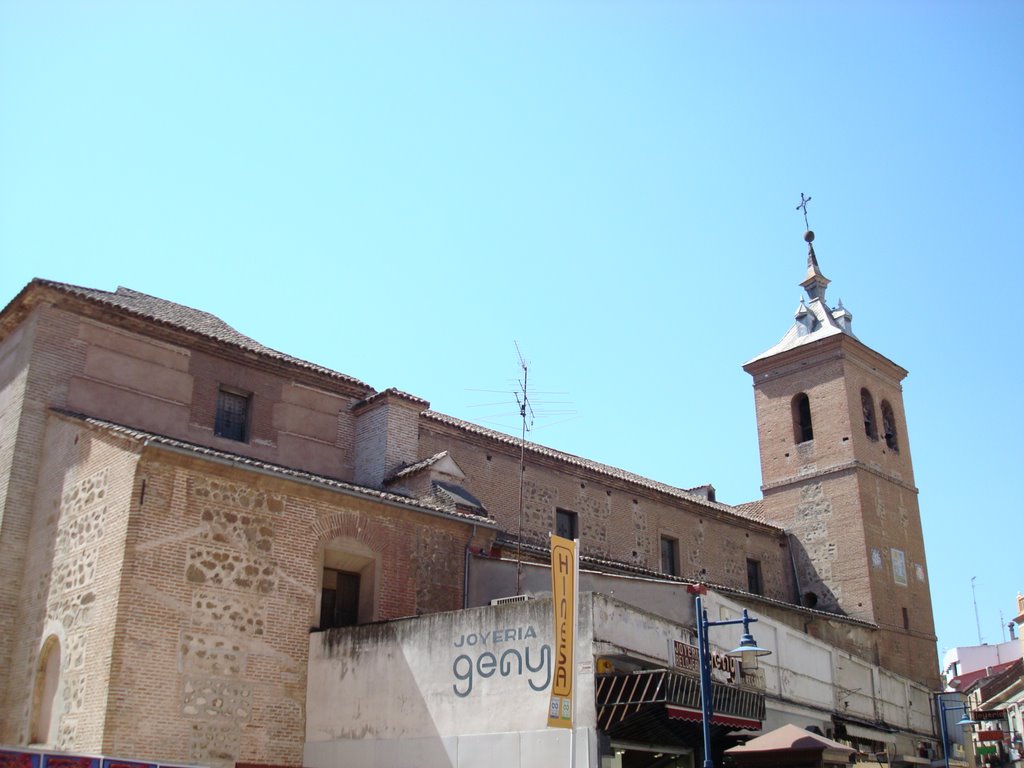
column 965, row 720
column 747, row 651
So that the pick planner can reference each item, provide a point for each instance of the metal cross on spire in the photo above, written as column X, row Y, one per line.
column 803, row 207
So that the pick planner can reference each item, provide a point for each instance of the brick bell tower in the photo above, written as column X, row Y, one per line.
column 836, row 473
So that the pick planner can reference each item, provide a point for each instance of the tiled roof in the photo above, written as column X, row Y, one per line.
column 189, row 320
column 754, row 510
column 287, row 472
column 966, row 680
column 593, row 466
column 412, row 469
column 392, row 392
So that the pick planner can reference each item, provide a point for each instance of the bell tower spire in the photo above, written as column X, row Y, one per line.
column 815, row 283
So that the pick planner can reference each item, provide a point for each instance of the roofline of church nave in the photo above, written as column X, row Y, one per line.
column 15, row 309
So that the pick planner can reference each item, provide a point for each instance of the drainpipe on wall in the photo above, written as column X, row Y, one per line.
column 796, row 576
column 465, row 569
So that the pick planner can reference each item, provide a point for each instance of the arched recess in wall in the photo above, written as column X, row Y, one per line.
column 46, row 700
column 349, row 575
column 889, row 427
column 867, row 406
column 803, row 430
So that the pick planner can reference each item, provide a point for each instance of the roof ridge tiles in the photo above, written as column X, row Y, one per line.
column 595, row 466
column 190, row 320
column 297, row 474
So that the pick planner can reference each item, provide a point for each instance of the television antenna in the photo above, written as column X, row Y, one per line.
column 525, row 414
column 525, row 399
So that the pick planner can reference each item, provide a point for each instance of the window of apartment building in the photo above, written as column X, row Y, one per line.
column 566, row 524
column 867, row 406
column 802, row 428
column 339, row 599
column 670, row 555
column 889, row 427
column 906, row 619
column 754, row 577
column 232, row 419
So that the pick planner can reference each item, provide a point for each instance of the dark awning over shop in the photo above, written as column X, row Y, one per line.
column 664, row 705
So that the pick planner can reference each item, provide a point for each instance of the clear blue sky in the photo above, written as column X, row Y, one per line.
column 401, row 191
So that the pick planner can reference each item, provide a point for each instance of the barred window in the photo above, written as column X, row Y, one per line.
column 232, row 419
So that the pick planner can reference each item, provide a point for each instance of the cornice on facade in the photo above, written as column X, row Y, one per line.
column 174, row 323
column 838, row 346
column 147, row 440
column 837, row 469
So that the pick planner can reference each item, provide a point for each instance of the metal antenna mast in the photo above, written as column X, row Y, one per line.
column 525, row 413
column 525, row 401
column 976, row 620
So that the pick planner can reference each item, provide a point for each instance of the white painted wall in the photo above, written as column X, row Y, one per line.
column 447, row 690
column 972, row 658
column 460, row 689
column 805, row 675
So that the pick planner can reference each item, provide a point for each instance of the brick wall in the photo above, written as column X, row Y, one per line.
column 182, row 592
column 72, row 574
column 38, row 360
column 221, row 587
column 616, row 520
column 386, row 436
column 849, row 499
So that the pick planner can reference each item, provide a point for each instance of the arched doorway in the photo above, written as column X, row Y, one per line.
column 47, row 701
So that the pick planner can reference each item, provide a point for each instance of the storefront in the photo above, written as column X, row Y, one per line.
column 472, row 687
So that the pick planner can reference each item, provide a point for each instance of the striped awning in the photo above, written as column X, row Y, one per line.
column 695, row 716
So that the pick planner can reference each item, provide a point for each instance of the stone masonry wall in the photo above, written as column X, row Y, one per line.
column 222, row 586
column 140, row 376
column 71, row 585
column 37, row 362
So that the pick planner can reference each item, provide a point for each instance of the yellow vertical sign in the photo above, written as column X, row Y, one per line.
column 563, row 593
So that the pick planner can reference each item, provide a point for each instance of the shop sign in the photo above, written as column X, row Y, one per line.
column 502, row 653
column 983, row 715
column 564, row 574
column 985, row 750
column 687, row 657
column 989, row 735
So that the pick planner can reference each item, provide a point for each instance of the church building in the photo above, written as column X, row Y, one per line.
column 197, row 532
